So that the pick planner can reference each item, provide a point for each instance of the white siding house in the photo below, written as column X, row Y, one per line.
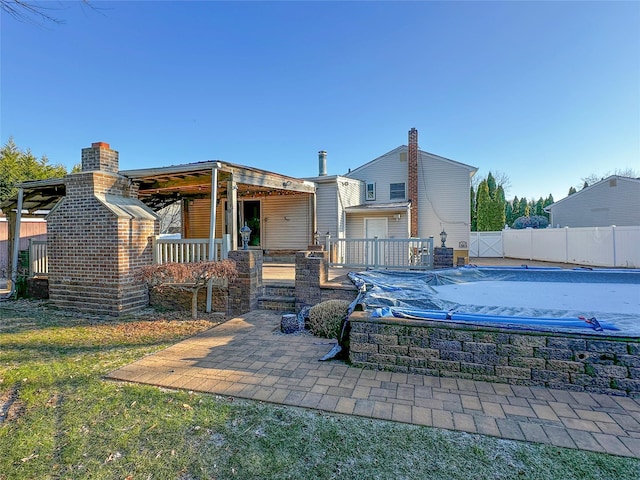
column 443, row 188
column 612, row 201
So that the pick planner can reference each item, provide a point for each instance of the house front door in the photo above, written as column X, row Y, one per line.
column 375, row 227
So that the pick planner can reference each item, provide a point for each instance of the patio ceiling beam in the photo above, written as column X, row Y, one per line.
column 191, row 181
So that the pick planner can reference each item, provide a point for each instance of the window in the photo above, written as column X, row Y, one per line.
column 371, row 191
column 396, row 191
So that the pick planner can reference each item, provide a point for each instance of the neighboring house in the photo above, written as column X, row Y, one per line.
column 612, row 201
column 404, row 193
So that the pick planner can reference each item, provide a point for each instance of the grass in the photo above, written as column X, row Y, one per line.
column 61, row 420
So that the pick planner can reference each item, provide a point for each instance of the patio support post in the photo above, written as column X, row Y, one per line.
column 212, row 230
column 232, row 208
column 16, row 243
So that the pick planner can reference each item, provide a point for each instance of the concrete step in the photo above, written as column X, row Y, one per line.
column 277, row 303
column 279, row 291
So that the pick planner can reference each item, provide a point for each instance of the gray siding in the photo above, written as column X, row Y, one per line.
column 614, row 201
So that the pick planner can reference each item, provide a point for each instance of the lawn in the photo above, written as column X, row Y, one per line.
column 61, row 419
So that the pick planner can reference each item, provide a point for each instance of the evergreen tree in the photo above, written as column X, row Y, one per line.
column 499, row 206
column 548, row 201
column 538, row 208
column 508, row 213
column 523, row 208
column 18, row 166
column 491, row 184
column 484, row 207
column 474, row 211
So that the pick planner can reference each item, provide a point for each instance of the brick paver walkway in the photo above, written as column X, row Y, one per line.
column 246, row 357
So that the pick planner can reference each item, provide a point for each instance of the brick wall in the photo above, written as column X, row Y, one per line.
column 412, row 157
column 572, row 362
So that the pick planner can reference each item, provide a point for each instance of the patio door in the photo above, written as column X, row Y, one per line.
column 249, row 213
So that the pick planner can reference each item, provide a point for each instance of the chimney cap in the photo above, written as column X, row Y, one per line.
column 100, row 145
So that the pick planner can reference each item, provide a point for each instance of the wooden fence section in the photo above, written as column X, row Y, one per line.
column 30, row 229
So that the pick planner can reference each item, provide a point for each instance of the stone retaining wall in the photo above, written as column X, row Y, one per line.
column 572, row 362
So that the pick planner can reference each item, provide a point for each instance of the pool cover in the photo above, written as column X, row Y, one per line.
column 596, row 301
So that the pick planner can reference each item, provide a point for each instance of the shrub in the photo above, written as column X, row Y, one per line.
column 325, row 319
column 534, row 221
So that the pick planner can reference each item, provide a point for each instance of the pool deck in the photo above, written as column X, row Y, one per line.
column 246, row 357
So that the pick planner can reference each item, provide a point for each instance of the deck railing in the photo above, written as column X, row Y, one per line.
column 187, row 250
column 400, row 253
column 38, row 259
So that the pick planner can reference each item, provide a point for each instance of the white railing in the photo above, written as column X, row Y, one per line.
column 38, row 259
column 414, row 253
column 187, row 250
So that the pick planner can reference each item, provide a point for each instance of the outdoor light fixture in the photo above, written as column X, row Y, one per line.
column 245, row 232
column 443, row 237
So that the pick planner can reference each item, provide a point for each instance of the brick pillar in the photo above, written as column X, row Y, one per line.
column 245, row 290
column 413, row 179
column 442, row 257
column 98, row 237
column 310, row 274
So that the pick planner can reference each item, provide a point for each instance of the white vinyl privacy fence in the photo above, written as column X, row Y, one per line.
column 596, row 246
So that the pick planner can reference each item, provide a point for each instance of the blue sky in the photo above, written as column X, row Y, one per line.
column 544, row 92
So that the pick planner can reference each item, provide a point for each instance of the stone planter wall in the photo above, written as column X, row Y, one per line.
column 576, row 362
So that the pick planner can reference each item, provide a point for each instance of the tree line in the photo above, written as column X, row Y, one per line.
column 490, row 211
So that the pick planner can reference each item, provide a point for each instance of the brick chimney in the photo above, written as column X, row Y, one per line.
column 322, row 163
column 413, row 179
column 98, row 237
column 100, row 157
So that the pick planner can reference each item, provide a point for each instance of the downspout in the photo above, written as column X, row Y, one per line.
column 212, row 228
column 16, row 244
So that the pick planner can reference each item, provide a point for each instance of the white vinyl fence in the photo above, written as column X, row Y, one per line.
column 595, row 246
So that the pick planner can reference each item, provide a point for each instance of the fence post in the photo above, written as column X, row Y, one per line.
column 154, row 247
column 566, row 244
column 31, row 257
column 613, row 240
column 376, row 257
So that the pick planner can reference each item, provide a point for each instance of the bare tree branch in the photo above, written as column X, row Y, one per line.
column 36, row 13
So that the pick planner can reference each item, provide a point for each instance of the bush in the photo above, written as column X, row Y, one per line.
column 325, row 319
column 534, row 221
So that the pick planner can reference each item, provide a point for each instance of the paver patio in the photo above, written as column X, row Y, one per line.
column 247, row 357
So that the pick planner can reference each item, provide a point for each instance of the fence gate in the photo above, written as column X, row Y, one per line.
column 486, row 244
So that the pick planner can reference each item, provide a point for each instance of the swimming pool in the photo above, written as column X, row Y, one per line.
column 590, row 301
column 569, row 329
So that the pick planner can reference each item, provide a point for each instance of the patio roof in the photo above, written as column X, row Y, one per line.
column 162, row 186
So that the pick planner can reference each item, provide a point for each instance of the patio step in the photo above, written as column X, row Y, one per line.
column 278, row 298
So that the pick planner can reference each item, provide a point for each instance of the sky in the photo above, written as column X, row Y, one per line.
column 542, row 93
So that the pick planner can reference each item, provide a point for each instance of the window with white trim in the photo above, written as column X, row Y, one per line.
column 397, row 191
column 371, row 191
